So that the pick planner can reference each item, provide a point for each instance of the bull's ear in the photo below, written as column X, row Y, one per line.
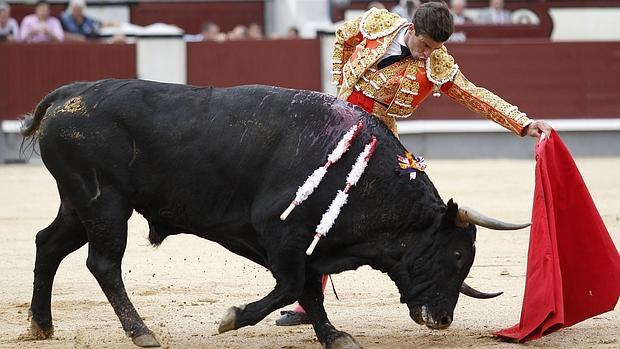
column 452, row 209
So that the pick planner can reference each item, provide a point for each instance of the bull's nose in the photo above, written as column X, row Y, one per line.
column 442, row 322
column 445, row 321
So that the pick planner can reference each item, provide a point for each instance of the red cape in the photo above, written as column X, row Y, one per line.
column 573, row 267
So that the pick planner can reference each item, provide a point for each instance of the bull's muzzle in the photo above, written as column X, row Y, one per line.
column 422, row 316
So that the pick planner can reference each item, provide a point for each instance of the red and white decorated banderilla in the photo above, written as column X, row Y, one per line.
column 315, row 178
column 330, row 216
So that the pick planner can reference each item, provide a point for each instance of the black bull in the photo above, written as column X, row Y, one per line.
column 223, row 164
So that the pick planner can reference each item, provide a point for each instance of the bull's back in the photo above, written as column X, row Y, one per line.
column 190, row 152
column 168, row 123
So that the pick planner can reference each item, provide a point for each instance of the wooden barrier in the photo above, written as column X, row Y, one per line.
column 30, row 71
column 546, row 80
column 286, row 63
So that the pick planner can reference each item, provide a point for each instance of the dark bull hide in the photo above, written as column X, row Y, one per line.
column 223, row 164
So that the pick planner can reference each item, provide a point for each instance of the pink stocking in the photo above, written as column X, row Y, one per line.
column 298, row 308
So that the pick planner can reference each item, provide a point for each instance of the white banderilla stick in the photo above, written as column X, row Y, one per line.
column 329, row 217
column 315, row 178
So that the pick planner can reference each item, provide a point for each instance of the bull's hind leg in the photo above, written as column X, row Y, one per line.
column 105, row 220
column 311, row 300
column 288, row 269
column 65, row 235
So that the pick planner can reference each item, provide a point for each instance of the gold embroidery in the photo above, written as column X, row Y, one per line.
column 410, row 87
column 397, row 111
column 382, row 84
column 346, row 40
column 378, row 29
column 388, row 90
column 361, row 60
column 488, row 104
column 380, row 112
column 402, row 105
column 440, row 67
column 377, row 23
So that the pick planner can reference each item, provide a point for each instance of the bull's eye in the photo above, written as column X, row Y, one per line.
column 457, row 255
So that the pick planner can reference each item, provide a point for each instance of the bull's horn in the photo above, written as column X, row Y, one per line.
column 467, row 215
column 472, row 292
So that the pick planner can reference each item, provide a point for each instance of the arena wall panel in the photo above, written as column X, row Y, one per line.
column 545, row 79
column 30, row 71
column 286, row 63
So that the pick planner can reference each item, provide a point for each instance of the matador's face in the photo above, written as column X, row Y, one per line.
column 422, row 45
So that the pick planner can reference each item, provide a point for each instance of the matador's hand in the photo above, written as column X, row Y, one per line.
column 537, row 127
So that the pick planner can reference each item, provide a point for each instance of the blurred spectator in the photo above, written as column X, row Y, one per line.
column 255, row 32
column 406, row 8
column 375, row 4
column 117, row 38
column 458, row 12
column 76, row 24
column 210, row 32
column 494, row 14
column 239, row 32
column 40, row 26
column 292, row 33
column 9, row 30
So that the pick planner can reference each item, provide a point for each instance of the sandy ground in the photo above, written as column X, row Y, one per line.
column 183, row 287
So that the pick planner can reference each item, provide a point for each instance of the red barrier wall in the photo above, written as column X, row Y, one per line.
column 30, row 71
column 546, row 80
column 286, row 63
column 191, row 15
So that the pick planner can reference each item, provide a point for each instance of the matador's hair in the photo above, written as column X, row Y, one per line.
column 435, row 20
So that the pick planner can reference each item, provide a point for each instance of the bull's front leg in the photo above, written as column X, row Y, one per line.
column 311, row 300
column 288, row 268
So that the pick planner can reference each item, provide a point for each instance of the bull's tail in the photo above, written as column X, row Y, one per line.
column 31, row 122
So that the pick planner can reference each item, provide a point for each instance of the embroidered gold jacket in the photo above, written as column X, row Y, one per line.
column 396, row 90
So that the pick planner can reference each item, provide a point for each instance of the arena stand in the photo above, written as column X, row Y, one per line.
column 189, row 15
column 570, row 83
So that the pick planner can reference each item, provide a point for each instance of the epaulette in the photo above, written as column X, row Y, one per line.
column 377, row 23
column 440, row 66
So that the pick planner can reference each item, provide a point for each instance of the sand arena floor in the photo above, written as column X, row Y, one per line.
column 183, row 287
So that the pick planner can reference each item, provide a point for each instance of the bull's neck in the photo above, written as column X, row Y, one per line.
column 386, row 212
column 380, row 246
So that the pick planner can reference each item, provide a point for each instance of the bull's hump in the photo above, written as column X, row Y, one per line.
column 306, row 96
column 346, row 111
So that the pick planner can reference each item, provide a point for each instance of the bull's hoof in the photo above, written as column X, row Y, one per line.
column 344, row 341
column 36, row 332
column 228, row 321
column 146, row 341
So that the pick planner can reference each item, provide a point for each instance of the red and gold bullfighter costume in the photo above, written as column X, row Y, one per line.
column 396, row 91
